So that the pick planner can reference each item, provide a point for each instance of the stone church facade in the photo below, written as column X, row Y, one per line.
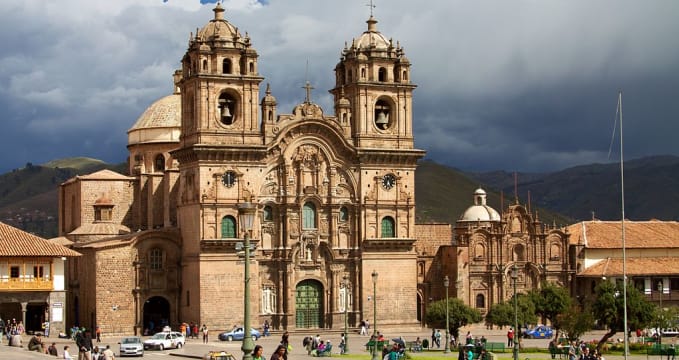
column 489, row 245
column 335, row 198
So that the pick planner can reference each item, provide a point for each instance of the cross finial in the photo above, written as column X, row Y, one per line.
column 308, row 88
column 372, row 6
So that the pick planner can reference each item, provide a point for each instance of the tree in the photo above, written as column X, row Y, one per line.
column 550, row 302
column 575, row 322
column 459, row 315
column 500, row 314
column 608, row 309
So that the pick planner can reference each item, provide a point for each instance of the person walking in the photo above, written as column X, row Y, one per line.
column 84, row 342
column 510, row 337
column 438, row 339
column 266, row 328
column 280, row 353
column 364, row 330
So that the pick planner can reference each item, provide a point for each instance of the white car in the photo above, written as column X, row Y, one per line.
column 131, row 346
column 165, row 340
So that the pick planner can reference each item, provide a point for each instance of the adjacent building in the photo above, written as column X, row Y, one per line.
column 495, row 250
column 651, row 257
column 32, row 280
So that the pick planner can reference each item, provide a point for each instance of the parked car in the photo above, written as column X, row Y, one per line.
column 237, row 334
column 539, row 332
column 165, row 340
column 131, row 346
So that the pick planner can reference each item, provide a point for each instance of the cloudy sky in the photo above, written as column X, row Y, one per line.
column 511, row 85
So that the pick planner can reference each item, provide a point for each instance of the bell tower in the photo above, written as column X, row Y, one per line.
column 374, row 75
column 220, row 86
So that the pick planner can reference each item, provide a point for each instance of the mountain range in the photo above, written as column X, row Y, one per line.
column 28, row 196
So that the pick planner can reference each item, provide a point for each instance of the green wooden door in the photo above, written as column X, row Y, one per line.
column 308, row 304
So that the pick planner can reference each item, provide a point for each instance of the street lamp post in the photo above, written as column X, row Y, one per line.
column 246, row 214
column 374, row 276
column 446, row 282
column 345, row 350
column 661, row 313
column 517, row 332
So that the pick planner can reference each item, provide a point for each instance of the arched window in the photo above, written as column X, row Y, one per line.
column 518, row 253
column 226, row 66
column 382, row 74
column 228, row 227
column 480, row 301
column 388, row 230
column 362, row 73
column 204, row 65
column 267, row 213
column 156, row 259
column 226, row 105
column 252, row 67
column 159, row 163
column 382, row 115
column 309, row 216
column 344, row 214
column 405, row 76
column 396, row 77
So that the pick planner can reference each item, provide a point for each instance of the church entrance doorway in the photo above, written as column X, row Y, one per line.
column 156, row 314
column 309, row 304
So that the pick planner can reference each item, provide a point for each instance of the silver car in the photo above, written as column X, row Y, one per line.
column 131, row 346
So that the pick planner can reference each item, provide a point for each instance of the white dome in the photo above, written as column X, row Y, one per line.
column 480, row 211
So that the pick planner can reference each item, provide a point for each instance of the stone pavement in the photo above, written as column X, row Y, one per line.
column 196, row 349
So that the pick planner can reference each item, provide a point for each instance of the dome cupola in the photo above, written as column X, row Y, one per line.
column 480, row 211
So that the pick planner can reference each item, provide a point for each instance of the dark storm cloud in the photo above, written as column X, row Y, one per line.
column 518, row 85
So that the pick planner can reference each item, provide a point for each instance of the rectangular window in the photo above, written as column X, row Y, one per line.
column 14, row 272
column 38, row 272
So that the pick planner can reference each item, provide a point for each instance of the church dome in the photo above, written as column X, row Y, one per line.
column 218, row 29
column 372, row 38
column 480, row 211
column 160, row 122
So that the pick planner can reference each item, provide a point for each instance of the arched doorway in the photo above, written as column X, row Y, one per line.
column 309, row 304
column 156, row 314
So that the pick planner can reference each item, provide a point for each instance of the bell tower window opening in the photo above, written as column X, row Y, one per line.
column 396, row 77
column 388, row 228
column 227, row 107
column 381, row 115
column 362, row 73
column 309, row 216
column 251, row 67
column 228, row 227
column 382, row 75
column 226, row 66
column 204, row 65
column 405, row 76
column 159, row 163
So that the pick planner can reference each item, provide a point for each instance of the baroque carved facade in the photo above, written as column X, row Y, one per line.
column 335, row 198
column 490, row 246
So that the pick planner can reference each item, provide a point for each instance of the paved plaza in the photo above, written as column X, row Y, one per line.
column 194, row 348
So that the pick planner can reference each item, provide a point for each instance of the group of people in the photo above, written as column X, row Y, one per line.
column 315, row 346
column 12, row 327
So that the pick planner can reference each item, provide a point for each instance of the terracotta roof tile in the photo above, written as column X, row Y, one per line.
column 633, row 267
column 16, row 242
column 638, row 234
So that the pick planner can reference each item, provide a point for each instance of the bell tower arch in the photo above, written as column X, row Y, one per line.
column 374, row 76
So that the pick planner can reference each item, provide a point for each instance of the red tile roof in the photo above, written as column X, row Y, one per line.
column 633, row 267
column 16, row 242
column 638, row 234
